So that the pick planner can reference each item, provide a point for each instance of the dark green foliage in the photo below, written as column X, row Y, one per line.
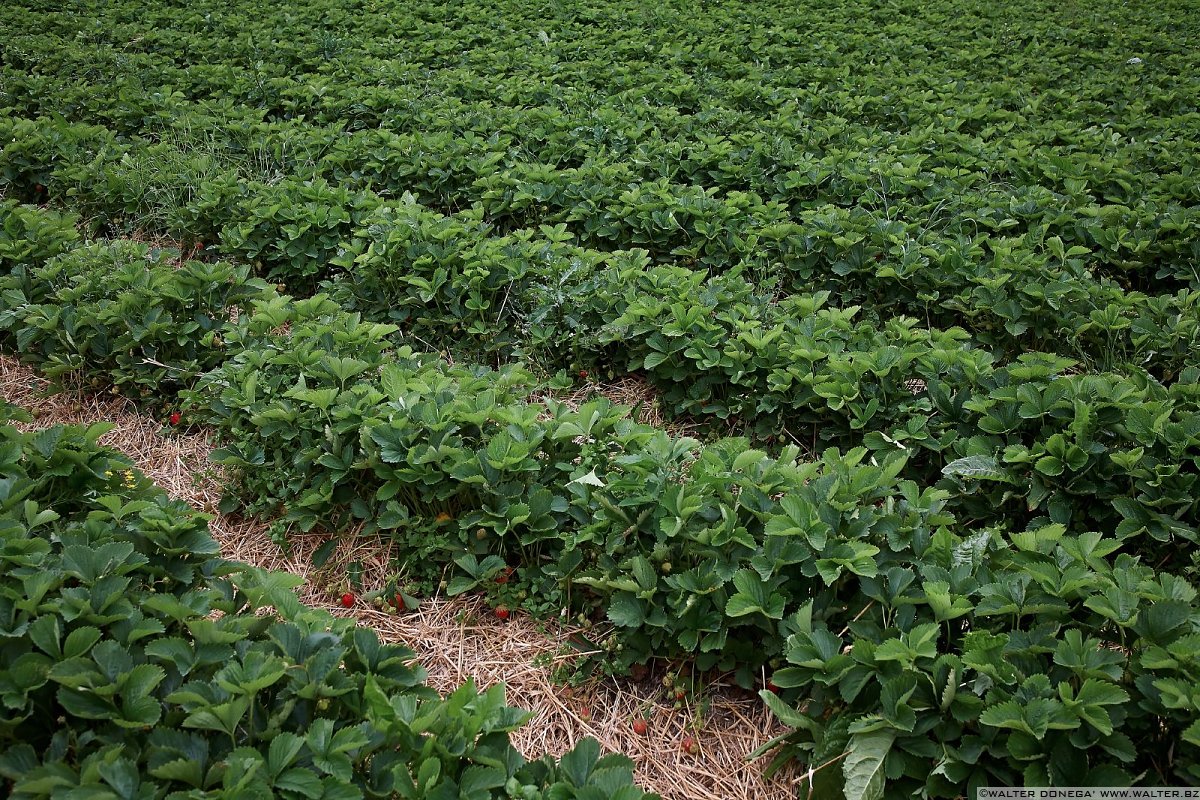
column 739, row 559
column 136, row 663
column 140, row 318
column 945, row 252
column 30, row 236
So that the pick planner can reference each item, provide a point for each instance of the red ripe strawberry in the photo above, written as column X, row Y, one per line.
column 504, row 575
column 771, row 687
column 640, row 727
column 690, row 745
column 37, row 187
column 176, row 417
column 501, row 613
column 347, row 600
column 399, row 601
column 583, row 373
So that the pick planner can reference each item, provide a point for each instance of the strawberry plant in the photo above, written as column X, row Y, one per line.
column 292, row 231
column 119, row 674
column 125, row 311
column 29, row 236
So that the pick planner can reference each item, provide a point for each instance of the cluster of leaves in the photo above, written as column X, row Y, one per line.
column 1094, row 451
column 137, row 663
column 444, row 278
column 289, row 228
column 1036, row 658
column 141, row 319
column 30, row 236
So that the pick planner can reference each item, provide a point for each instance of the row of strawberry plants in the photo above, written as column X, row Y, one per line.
column 801, row 224
column 407, row 257
column 1092, row 452
column 138, row 663
column 1042, row 440
column 738, row 558
column 722, row 552
column 1101, row 168
column 609, row 205
column 728, row 349
column 1053, row 441
column 215, row 50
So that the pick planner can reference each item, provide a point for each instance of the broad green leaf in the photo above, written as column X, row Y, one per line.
column 977, row 468
column 626, row 611
column 863, row 766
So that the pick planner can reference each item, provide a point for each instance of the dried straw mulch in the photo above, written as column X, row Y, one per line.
column 456, row 639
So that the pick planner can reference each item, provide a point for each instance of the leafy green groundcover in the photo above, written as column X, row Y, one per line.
column 1019, row 617
column 1023, row 170
column 135, row 663
column 540, row 292
column 912, row 635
